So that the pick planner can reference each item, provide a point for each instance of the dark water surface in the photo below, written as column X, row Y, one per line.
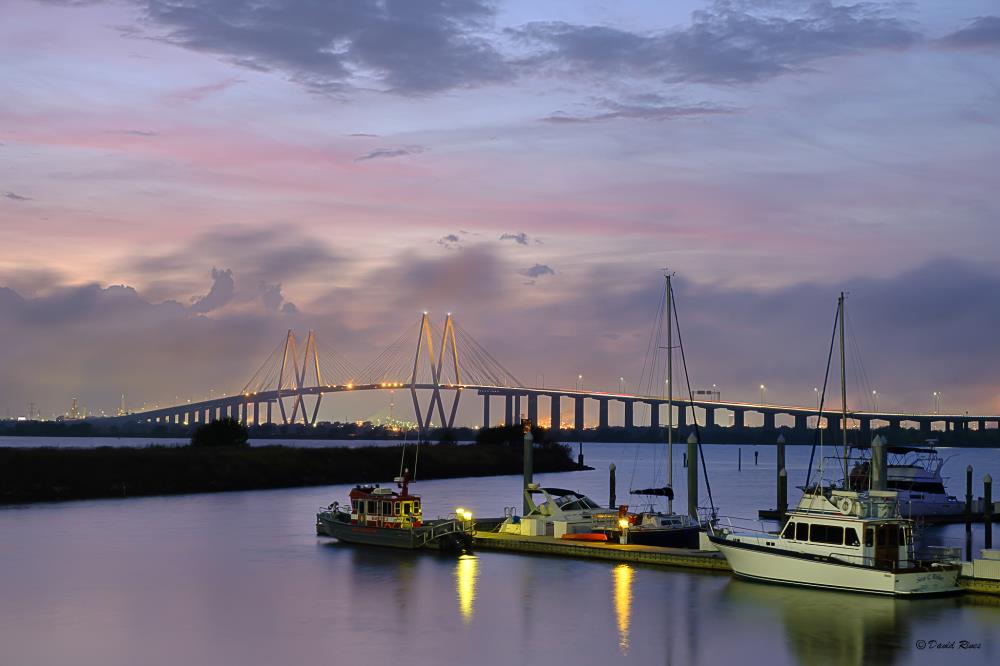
column 241, row 578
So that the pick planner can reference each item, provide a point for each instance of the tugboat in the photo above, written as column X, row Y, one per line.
column 380, row 516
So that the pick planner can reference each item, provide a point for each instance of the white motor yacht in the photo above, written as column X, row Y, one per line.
column 915, row 474
column 561, row 513
column 840, row 540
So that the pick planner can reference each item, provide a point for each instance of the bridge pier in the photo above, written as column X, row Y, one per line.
column 602, row 414
column 578, row 414
column 769, row 420
column 509, row 404
column 486, row 410
column 654, row 414
column 533, row 408
column 801, row 422
column 629, row 414
column 739, row 418
column 682, row 420
column 517, row 408
column 554, row 413
column 256, row 413
column 709, row 417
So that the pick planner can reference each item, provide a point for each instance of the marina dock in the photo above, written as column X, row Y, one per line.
column 671, row 557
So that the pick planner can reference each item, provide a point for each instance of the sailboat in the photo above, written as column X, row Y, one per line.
column 651, row 527
column 840, row 539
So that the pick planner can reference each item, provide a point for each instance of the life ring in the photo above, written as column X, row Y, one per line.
column 846, row 504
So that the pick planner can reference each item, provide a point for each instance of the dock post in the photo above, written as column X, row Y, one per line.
column 782, row 494
column 988, row 511
column 529, row 447
column 611, row 479
column 878, row 462
column 968, row 513
column 692, row 460
column 779, row 456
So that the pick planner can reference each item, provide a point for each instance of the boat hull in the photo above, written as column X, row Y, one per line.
column 774, row 566
column 407, row 539
column 684, row 537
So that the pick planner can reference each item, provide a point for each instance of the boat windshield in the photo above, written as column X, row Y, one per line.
column 575, row 503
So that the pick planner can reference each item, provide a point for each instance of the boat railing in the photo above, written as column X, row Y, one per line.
column 444, row 528
column 737, row 524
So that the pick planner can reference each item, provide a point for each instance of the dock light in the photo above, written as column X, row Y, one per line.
column 623, row 523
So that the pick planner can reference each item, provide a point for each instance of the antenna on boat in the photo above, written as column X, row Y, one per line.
column 843, row 385
column 694, row 416
column 668, row 294
column 822, row 401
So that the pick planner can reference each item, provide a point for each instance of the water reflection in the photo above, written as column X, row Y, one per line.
column 623, row 604
column 825, row 627
column 466, row 572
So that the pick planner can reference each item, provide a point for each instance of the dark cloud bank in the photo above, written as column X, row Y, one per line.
column 417, row 48
column 932, row 328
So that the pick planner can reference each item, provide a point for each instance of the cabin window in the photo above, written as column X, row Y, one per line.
column 372, row 506
column 802, row 532
column 395, row 508
column 789, row 532
column 870, row 537
column 851, row 537
column 902, row 536
column 416, row 507
column 827, row 534
column 406, row 508
column 354, row 506
column 386, row 508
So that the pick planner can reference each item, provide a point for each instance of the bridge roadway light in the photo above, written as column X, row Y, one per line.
column 579, row 380
column 874, row 400
column 763, row 390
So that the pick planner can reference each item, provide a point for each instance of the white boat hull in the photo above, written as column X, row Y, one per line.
column 773, row 566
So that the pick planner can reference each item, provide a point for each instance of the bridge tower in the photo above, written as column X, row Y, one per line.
column 449, row 350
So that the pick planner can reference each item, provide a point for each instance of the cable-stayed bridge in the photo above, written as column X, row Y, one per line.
column 437, row 365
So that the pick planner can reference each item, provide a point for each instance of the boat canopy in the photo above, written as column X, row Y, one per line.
column 665, row 491
column 899, row 449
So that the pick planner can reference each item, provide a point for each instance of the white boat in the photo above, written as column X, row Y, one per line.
column 841, row 540
column 915, row 474
column 561, row 513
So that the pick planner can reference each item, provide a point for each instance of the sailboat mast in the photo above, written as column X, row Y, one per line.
column 843, row 387
column 670, row 393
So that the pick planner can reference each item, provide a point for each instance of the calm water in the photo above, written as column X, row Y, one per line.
column 241, row 578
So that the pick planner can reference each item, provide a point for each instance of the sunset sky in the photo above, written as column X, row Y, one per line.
column 181, row 181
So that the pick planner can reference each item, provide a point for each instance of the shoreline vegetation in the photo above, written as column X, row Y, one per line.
column 56, row 474
column 989, row 438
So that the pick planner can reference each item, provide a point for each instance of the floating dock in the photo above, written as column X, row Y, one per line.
column 631, row 553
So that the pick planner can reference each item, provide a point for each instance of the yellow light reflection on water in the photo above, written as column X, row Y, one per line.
column 623, row 604
column 466, row 572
